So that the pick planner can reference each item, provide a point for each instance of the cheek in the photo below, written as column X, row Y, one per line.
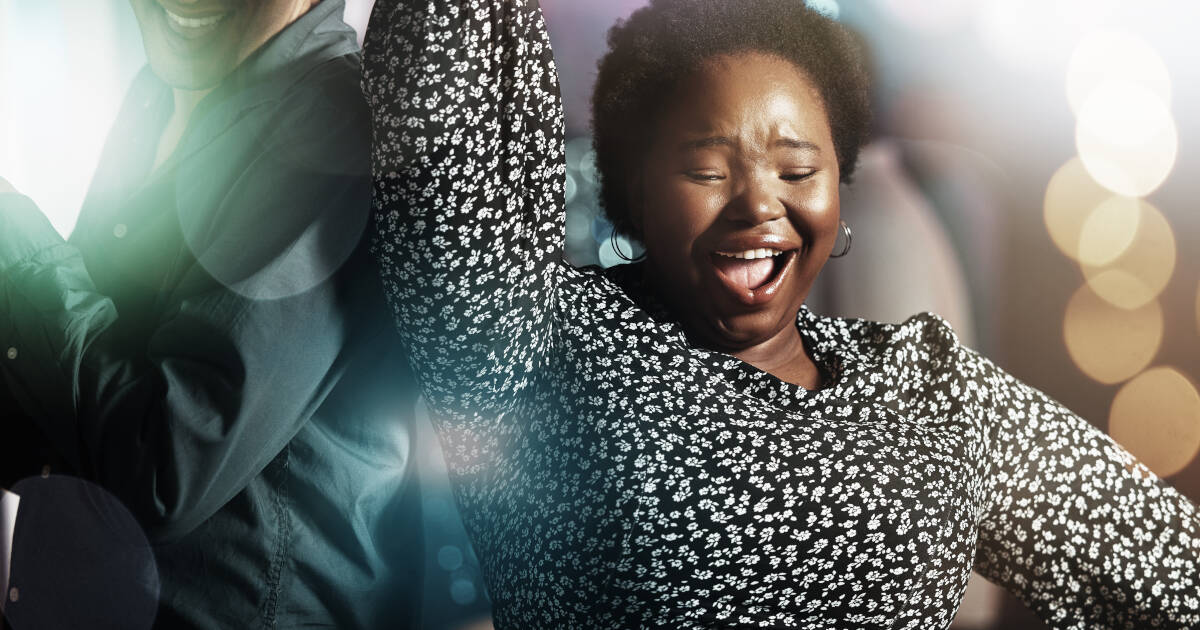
column 817, row 213
column 677, row 213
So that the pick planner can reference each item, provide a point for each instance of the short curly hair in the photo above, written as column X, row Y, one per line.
column 661, row 44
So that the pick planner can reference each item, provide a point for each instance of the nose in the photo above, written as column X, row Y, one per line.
column 755, row 203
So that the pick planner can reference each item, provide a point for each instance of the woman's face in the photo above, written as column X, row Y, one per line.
column 738, row 199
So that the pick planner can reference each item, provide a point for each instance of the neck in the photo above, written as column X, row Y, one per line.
column 784, row 357
column 185, row 104
column 187, row 100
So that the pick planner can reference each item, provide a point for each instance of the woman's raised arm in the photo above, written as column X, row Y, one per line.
column 468, row 166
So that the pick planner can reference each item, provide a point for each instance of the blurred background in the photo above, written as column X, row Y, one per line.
column 1033, row 179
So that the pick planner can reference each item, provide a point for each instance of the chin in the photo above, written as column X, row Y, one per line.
column 197, row 64
column 731, row 332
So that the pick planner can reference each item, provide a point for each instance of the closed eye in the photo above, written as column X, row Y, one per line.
column 797, row 176
column 706, row 175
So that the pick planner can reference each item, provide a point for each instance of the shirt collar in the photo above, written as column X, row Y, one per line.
column 317, row 36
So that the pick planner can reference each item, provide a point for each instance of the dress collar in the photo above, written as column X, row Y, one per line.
column 828, row 342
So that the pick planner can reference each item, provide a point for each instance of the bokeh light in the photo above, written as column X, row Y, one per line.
column 1108, row 231
column 1072, row 197
column 1107, row 55
column 1107, row 343
column 450, row 557
column 1157, row 417
column 1126, row 137
column 98, row 566
column 1142, row 271
column 619, row 250
column 463, row 591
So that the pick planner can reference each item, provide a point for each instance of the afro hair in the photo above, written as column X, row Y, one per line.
column 659, row 45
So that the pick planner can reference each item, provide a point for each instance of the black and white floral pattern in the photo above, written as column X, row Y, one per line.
column 613, row 475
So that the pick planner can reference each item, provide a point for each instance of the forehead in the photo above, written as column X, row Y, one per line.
column 747, row 95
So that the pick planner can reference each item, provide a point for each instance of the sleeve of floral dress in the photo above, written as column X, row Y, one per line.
column 468, row 167
column 1074, row 525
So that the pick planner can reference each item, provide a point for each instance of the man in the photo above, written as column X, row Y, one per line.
column 211, row 348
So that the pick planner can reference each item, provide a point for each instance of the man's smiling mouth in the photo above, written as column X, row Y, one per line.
column 193, row 27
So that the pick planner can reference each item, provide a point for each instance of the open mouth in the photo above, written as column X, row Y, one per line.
column 753, row 276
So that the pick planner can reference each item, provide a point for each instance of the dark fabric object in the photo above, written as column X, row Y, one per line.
column 83, row 560
column 210, row 347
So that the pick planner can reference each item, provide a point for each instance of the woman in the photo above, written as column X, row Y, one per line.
column 680, row 443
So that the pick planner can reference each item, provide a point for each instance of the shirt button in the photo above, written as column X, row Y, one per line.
column 119, row 230
column 11, row 354
column 14, row 595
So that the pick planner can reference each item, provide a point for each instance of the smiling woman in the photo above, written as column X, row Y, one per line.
column 737, row 206
column 681, row 443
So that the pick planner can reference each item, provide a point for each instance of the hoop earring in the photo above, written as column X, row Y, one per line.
column 849, row 240
column 612, row 242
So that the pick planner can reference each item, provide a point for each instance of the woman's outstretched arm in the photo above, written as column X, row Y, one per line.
column 468, row 167
column 1081, row 531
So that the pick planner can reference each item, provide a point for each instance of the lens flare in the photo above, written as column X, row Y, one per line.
column 1157, row 417
column 1107, row 343
column 1107, row 55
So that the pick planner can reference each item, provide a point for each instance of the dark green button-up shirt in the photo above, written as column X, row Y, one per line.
column 212, row 347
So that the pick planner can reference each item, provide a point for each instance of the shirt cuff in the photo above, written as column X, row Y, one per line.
column 8, row 524
column 24, row 230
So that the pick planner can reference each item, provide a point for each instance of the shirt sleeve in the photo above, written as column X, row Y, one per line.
column 8, row 521
column 1074, row 525
column 176, row 415
column 468, row 167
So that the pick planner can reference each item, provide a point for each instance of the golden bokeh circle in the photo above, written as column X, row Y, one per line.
column 1156, row 416
column 1126, row 137
column 1107, row 343
column 1108, row 231
column 1072, row 197
column 1141, row 272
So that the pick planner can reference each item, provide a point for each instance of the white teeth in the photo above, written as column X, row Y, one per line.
column 195, row 22
column 751, row 254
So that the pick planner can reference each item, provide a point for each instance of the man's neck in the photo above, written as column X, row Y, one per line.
column 185, row 103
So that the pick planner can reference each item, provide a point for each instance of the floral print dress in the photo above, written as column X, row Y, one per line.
column 614, row 475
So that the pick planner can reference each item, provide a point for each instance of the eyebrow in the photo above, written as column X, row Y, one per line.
column 722, row 141
column 705, row 143
column 803, row 145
